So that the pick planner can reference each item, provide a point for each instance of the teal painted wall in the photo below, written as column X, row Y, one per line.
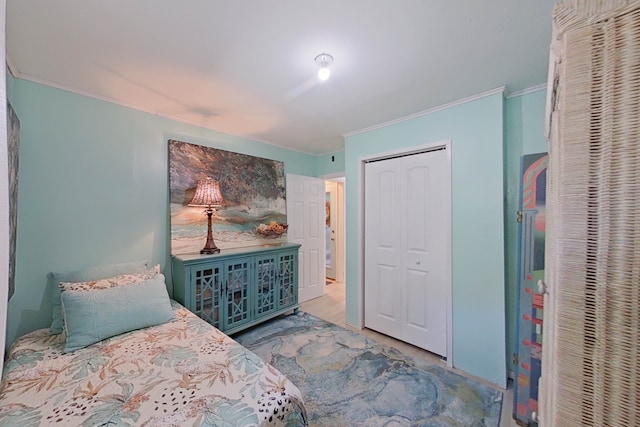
column 94, row 188
column 92, row 174
column 524, row 134
column 331, row 164
column 476, row 131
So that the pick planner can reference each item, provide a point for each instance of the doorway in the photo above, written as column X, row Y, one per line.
column 334, row 230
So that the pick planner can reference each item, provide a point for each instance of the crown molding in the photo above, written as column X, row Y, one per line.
column 13, row 70
column 471, row 98
column 527, row 91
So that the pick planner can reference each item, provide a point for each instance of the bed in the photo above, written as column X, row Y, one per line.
column 180, row 371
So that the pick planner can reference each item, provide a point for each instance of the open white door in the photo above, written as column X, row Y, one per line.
column 306, row 217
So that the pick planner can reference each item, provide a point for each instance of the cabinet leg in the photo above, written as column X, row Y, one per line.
column 295, row 310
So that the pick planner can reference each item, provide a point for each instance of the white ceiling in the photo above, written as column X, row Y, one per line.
column 246, row 67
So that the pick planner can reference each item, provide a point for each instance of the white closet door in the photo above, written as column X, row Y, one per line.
column 407, row 248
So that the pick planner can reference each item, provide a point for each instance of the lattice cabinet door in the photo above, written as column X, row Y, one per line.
column 265, row 292
column 238, row 296
column 288, row 274
column 207, row 284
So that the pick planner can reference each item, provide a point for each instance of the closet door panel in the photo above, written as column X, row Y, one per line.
column 407, row 248
column 383, row 289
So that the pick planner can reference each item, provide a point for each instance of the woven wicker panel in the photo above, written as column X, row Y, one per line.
column 591, row 372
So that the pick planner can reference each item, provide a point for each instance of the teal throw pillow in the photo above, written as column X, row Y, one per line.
column 92, row 316
column 92, row 273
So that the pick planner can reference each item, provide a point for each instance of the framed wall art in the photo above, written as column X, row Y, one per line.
column 13, row 143
column 243, row 195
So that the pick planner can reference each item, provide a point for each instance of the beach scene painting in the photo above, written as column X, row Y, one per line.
column 254, row 192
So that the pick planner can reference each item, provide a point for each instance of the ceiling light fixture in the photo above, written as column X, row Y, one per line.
column 324, row 60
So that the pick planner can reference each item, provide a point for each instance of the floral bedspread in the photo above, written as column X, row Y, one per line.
column 181, row 373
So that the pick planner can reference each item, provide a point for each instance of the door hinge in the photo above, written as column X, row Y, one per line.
column 519, row 216
column 515, row 359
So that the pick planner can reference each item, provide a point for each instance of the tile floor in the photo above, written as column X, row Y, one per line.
column 331, row 307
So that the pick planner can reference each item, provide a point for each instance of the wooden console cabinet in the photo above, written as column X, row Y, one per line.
column 238, row 288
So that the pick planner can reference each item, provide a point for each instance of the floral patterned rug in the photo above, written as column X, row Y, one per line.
column 347, row 379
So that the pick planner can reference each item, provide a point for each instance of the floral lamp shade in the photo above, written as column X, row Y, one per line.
column 207, row 193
